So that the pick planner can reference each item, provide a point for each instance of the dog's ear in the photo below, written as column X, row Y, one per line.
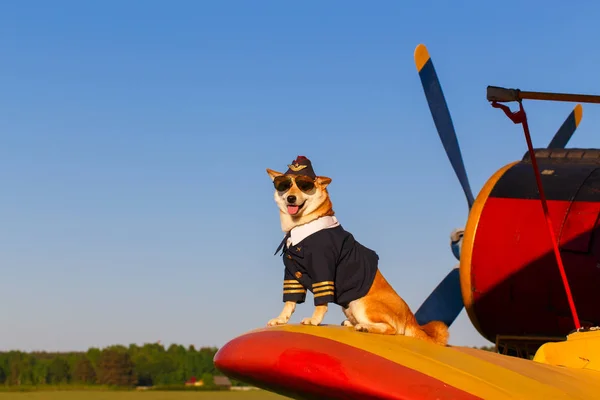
column 323, row 181
column 273, row 174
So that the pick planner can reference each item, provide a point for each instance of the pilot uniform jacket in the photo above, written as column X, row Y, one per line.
column 324, row 258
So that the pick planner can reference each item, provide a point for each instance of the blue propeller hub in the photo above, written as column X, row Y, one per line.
column 456, row 239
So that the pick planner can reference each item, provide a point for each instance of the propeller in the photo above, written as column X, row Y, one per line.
column 445, row 302
column 566, row 130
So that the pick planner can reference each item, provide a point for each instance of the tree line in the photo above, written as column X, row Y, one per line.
column 147, row 365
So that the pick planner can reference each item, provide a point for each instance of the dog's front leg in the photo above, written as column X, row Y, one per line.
column 288, row 309
column 317, row 316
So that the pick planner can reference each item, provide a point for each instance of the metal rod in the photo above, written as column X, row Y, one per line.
column 549, row 225
column 496, row 93
column 578, row 98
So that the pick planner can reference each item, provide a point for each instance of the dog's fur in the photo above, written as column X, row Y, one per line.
column 381, row 310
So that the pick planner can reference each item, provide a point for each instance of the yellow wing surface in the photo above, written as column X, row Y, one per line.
column 333, row 362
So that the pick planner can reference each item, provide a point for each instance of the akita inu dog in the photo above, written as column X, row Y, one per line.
column 320, row 256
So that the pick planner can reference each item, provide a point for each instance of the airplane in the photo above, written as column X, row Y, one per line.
column 528, row 273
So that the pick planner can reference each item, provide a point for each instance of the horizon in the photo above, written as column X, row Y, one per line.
column 136, row 205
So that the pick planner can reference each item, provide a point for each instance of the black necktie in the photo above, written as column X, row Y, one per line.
column 287, row 235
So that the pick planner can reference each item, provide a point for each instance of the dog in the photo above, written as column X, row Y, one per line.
column 320, row 256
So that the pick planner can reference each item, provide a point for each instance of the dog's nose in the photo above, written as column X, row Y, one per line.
column 291, row 199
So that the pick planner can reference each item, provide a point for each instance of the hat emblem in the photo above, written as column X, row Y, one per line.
column 296, row 167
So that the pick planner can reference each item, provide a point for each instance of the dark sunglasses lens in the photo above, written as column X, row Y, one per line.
column 282, row 184
column 305, row 184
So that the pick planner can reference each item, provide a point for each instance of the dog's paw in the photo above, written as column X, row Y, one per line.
column 310, row 321
column 361, row 328
column 347, row 323
column 277, row 321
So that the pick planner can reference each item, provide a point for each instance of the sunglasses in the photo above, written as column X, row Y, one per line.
column 283, row 183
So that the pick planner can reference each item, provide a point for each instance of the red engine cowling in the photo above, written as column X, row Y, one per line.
column 510, row 281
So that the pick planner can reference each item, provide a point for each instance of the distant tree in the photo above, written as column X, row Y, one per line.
column 39, row 370
column 206, row 358
column 145, row 369
column 208, row 380
column 84, row 371
column 16, row 368
column 93, row 354
column 58, row 371
column 115, row 368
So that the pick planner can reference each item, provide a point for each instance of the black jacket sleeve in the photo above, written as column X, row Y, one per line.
column 323, row 271
column 292, row 289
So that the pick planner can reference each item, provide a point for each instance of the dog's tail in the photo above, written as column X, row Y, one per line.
column 436, row 332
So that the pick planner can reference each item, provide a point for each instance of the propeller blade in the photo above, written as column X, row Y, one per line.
column 441, row 117
column 564, row 133
column 444, row 303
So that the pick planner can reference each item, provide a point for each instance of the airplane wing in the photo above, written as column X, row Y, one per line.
column 334, row 362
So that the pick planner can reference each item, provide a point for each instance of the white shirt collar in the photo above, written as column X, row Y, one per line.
column 299, row 233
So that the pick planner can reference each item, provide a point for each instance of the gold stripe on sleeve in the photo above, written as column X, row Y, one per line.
column 324, row 283
column 321, row 294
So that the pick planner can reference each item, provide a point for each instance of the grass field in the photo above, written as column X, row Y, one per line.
column 108, row 395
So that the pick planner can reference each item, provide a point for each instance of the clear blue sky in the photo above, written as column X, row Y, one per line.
column 134, row 138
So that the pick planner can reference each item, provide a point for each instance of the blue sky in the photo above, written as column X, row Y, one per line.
column 134, row 138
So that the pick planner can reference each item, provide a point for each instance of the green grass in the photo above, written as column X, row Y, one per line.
column 140, row 395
